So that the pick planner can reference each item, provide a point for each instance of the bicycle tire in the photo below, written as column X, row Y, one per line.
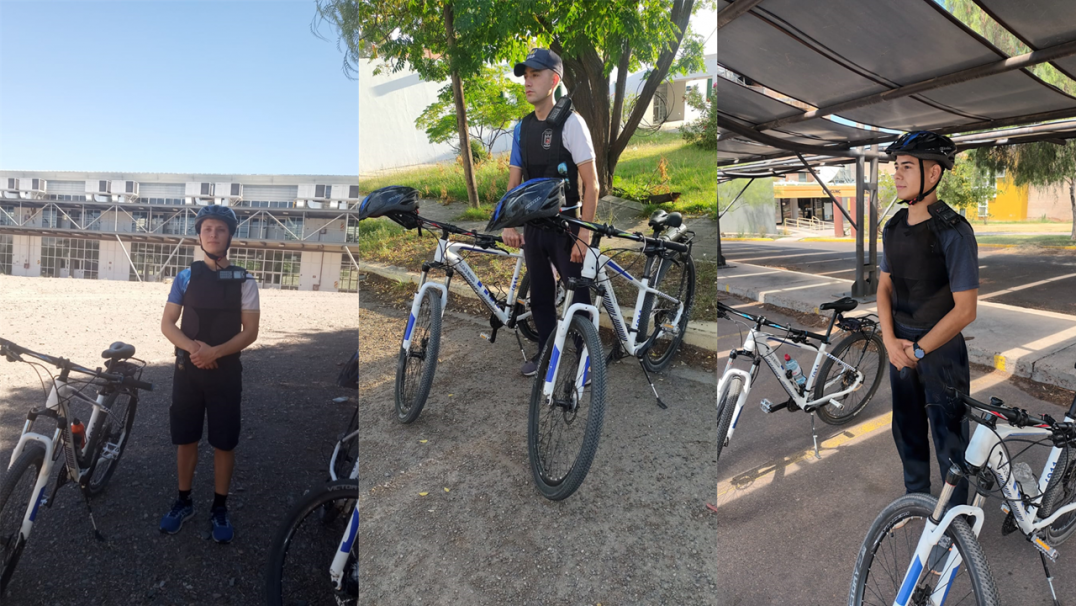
column 870, row 360
column 345, row 462
column 527, row 327
column 412, row 391
column 726, row 406
column 1061, row 491
column 554, row 481
column 13, row 507
column 656, row 359
column 108, row 431
column 872, row 583
column 342, row 493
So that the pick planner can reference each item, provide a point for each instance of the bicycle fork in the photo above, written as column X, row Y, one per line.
column 336, row 570
column 558, row 347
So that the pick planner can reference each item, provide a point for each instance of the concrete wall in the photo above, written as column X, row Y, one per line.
column 749, row 220
column 1051, row 202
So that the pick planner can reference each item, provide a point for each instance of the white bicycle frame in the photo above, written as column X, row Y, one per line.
column 767, row 353
column 594, row 266
column 448, row 254
column 983, row 451
column 75, row 473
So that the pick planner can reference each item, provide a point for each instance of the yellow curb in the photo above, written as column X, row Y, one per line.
column 748, row 239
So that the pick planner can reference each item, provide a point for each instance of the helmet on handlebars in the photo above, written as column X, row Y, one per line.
column 534, row 199
column 394, row 198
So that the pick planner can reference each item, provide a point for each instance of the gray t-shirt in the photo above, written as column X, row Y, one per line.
column 961, row 255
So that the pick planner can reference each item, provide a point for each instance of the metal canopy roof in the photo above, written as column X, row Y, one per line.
column 901, row 66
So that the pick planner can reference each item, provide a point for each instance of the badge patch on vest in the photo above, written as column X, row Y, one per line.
column 547, row 138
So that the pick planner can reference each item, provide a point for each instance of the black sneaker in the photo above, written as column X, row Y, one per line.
column 181, row 511
column 223, row 531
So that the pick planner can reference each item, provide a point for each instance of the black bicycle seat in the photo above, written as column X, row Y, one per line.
column 662, row 219
column 841, row 305
column 118, row 350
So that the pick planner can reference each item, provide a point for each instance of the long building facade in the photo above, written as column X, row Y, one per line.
column 297, row 232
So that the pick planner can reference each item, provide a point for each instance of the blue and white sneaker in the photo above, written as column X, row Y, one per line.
column 223, row 531
column 173, row 520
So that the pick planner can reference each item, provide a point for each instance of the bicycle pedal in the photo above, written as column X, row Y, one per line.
column 1009, row 525
column 1046, row 550
column 768, row 406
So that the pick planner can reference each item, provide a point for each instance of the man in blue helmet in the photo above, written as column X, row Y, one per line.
column 927, row 293
column 217, row 307
column 545, row 147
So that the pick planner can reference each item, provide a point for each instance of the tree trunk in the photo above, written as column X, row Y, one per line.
column 461, row 118
column 1072, row 203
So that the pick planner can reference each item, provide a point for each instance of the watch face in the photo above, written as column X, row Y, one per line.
column 919, row 353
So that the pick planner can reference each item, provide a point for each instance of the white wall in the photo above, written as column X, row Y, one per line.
column 26, row 256
column 319, row 270
column 112, row 263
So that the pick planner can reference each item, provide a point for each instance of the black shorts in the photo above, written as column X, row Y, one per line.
column 198, row 394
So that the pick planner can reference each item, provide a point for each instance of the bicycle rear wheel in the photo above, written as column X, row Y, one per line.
column 726, row 406
column 865, row 353
column 303, row 549
column 890, row 546
column 417, row 364
column 1061, row 491
column 676, row 278
column 16, row 494
column 562, row 434
column 108, row 439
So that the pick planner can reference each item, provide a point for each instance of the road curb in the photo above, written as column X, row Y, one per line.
column 700, row 333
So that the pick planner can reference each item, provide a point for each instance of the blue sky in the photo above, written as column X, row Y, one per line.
column 173, row 86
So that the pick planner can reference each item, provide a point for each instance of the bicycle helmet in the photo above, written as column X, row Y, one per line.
column 924, row 145
column 221, row 213
column 394, row 198
column 534, row 199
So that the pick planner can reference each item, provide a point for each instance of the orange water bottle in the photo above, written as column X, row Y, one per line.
column 78, row 431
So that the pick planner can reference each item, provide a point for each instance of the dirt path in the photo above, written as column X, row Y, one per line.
column 637, row 531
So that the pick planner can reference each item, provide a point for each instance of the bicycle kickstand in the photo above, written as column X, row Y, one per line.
column 654, row 389
column 1049, row 578
column 521, row 350
column 96, row 533
column 814, row 436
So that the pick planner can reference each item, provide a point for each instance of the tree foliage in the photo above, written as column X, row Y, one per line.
column 703, row 131
column 967, row 185
column 1042, row 164
column 494, row 104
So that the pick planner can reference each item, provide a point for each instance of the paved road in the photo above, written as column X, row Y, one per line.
column 790, row 526
column 1044, row 279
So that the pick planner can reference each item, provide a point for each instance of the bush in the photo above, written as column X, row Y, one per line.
column 702, row 132
column 478, row 152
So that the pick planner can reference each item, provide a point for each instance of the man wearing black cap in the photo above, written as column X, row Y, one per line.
column 542, row 148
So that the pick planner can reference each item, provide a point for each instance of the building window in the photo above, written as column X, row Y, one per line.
column 352, row 229
column 48, row 217
column 6, row 247
column 271, row 268
column 7, row 215
column 69, row 258
column 349, row 275
column 984, row 210
column 140, row 221
column 150, row 259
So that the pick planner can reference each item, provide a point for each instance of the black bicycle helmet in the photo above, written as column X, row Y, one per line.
column 924, row 145
column 394, row 198
column 222, row 213
column 534, row 199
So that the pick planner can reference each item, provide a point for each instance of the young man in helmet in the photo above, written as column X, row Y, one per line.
column 927, row 293
column 217, row 308
column 544, row 149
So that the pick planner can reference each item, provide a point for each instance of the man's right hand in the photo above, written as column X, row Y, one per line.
column 512, row 237
column 897, row 355
column 197, row 346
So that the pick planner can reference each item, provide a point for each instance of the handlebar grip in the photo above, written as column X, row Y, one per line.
column 676, row 246
column 129, row 382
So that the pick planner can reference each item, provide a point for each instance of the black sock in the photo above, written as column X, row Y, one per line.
column 184, row 495
column 219, row 500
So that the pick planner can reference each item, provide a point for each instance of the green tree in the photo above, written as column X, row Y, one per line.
column 702, row 132
column 494, row 104
column 968, row 185
column 1042, row 164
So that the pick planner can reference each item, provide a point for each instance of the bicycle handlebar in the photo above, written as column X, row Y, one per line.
column 13, row 352
column 1063, row 431
column 723, row 309
column 612, row 232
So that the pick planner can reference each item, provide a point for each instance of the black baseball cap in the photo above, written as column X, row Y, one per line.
column 541, row 58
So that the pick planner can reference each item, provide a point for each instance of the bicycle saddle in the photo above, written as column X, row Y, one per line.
column 118, row 350
column 841, row 305
column 661, row 218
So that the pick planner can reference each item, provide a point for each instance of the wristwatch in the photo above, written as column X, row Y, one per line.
column 919, row 353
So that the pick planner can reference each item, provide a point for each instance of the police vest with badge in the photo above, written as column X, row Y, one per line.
column 916, row 260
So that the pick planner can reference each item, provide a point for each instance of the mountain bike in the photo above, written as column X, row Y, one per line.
column 920, row 550
column 90, row 452
column 839, row 385
column 417, row 362
column 565, row 416
column 315, row 552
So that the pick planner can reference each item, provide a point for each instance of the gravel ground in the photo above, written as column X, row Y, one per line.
column 637, row 531
column 289, row 427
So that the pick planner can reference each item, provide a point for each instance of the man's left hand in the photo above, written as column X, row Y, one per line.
column 582, row 245
column 205, row 356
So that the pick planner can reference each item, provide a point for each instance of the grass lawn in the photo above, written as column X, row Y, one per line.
column 688, row 169
column 382, row 241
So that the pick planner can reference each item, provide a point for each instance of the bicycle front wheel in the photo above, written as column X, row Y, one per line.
column 676, row 278
column 108, row 439
column 16, row 494
column 866, row 354
column 344, row 463
column 526, row 326
column 726, row 406
column 889, row 549
column 303, row 549
column 418, row 363
column 1061, row 491
column 563, row 433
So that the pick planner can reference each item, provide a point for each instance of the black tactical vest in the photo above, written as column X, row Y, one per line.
column 921, row 292
column 541, row 149
column 212, row 308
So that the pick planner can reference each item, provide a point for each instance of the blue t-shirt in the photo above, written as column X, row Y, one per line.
column 961, row 256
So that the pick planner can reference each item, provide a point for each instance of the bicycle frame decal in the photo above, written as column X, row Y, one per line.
column 416, row 304
column 336, row 570
column 558, row 344
column 932, row 534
